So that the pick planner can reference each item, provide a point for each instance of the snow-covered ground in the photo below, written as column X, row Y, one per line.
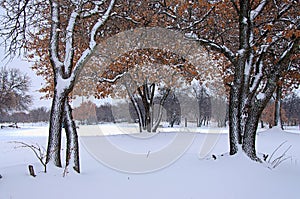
column 175, row 163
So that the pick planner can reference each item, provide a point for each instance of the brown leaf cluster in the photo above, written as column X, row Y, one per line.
column 217, row 21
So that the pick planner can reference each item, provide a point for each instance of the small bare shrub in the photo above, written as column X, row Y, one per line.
column 38, row 151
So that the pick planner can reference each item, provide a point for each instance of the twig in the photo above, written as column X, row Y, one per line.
column 279, row 160
column 276, row 151
column 273, row 163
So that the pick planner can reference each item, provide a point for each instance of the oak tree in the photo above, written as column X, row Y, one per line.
column 59, row 36
column 259, row 38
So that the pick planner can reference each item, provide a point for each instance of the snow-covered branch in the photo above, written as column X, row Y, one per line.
column 257, row 78
column 69, row 51
column 92, row 43
column 220, row 48
column 284, row 10
column 286, row 53
column 169, row 14
column 102, row 79
column 95, row 10
column 281, row 66
column 125, row 17
column 54, row 36
column 99, row 23
column 254, row 13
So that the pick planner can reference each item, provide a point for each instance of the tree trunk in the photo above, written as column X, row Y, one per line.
column 249, row 138
column 159, row 116
column 148, row 117
column 61, row 114
column 234, row 121
column 55, row 126
column 262, row 124
column 200, row 115
column 147, row 95
column 139, row 113
column 277, row 116
column 253, row 115
column 72, row 151
column 136, row 107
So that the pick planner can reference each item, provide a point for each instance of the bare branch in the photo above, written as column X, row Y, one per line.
column 19, row 20
column 200, row 20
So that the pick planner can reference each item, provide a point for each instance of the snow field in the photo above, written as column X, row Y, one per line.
column 194, row 175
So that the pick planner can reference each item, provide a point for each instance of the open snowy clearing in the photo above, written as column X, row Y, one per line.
column 185, row 168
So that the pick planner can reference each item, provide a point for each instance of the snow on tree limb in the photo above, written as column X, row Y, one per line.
column 95, row 10
column 69, row 49
column 289, row 48
column 99, row 23
column 220, row 48
column 102, row 79
column 92, row 44
column 254, row 13
column 54, row 36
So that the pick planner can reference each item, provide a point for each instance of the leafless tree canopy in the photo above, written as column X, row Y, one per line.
column 13, row 90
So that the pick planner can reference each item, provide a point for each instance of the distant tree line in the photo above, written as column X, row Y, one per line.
column 202, row 110
column 176, row 109
column 291, row 106
column 289, row 111
column 35, row 115
column 88, row 113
